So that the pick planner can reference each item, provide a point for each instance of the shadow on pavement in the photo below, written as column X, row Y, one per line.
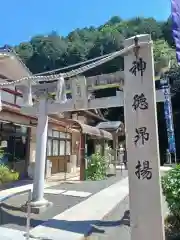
column 84, row 227
column 15, row 184
column 125, row 220
column 8, row 218
column 10, row 207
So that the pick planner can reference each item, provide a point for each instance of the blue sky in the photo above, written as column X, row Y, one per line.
column 21, row 19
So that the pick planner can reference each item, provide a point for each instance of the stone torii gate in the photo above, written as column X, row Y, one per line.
column 141, row 134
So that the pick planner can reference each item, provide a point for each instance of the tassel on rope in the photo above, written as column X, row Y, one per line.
column 61, row 91
column 29, row 94
column 26, row 90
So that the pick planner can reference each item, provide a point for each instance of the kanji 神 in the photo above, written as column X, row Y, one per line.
column 143, row 171
column 141, row 135
column 140, row 101
column 138, row 66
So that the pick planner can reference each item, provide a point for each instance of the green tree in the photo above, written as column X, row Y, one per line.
column 167, row 31
column 47, row 52
column 25, row 51
column 53, row 51
column 164, row 55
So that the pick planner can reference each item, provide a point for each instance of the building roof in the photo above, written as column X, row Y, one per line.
column 87, row 129
column 11, row 66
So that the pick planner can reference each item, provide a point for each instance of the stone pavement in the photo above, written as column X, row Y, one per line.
column 110, row 204
column 76, row 220
column 12, row 234
column 63, row 196
column 26, row 185
column 116, row 224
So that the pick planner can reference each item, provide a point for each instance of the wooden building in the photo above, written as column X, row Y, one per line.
column 65, row 143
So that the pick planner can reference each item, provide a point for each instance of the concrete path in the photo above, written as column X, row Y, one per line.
column 72, row 179
column 77, row 221
column 11, row 234
column 116, row 224
column 67, row 193
column 64, row 196
column 25, row 188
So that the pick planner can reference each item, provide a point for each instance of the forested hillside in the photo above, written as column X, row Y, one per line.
column 47, row 52
column 51, row 51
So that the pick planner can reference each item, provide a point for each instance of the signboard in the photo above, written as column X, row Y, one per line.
column 142, row 144
column 79, row 93
column 44, row 88
column 39, row 89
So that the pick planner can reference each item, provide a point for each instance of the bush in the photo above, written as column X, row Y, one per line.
column 7, row 175
column 172, row 228
column 171, row 190
column 96, row 167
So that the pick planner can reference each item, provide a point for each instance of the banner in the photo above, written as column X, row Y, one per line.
column 169, row 119
column 175, row 13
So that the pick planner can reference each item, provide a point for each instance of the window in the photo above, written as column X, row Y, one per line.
column 62, row 135
column 59, row 143
column 68, row 148
column 68, row 85
column 68, row 136
column 50, row 132
column 55, row 134
column 62, row 148
column 14, row 141
column 55, row 148
column 49, row 147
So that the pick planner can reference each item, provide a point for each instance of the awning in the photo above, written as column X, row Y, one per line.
column 86, row 129
column 74, row 125
column 112, row 126
column 93, row 131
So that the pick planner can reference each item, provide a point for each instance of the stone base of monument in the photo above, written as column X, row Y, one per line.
column 36, row 209
column 170, row 165
column 111, row 170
